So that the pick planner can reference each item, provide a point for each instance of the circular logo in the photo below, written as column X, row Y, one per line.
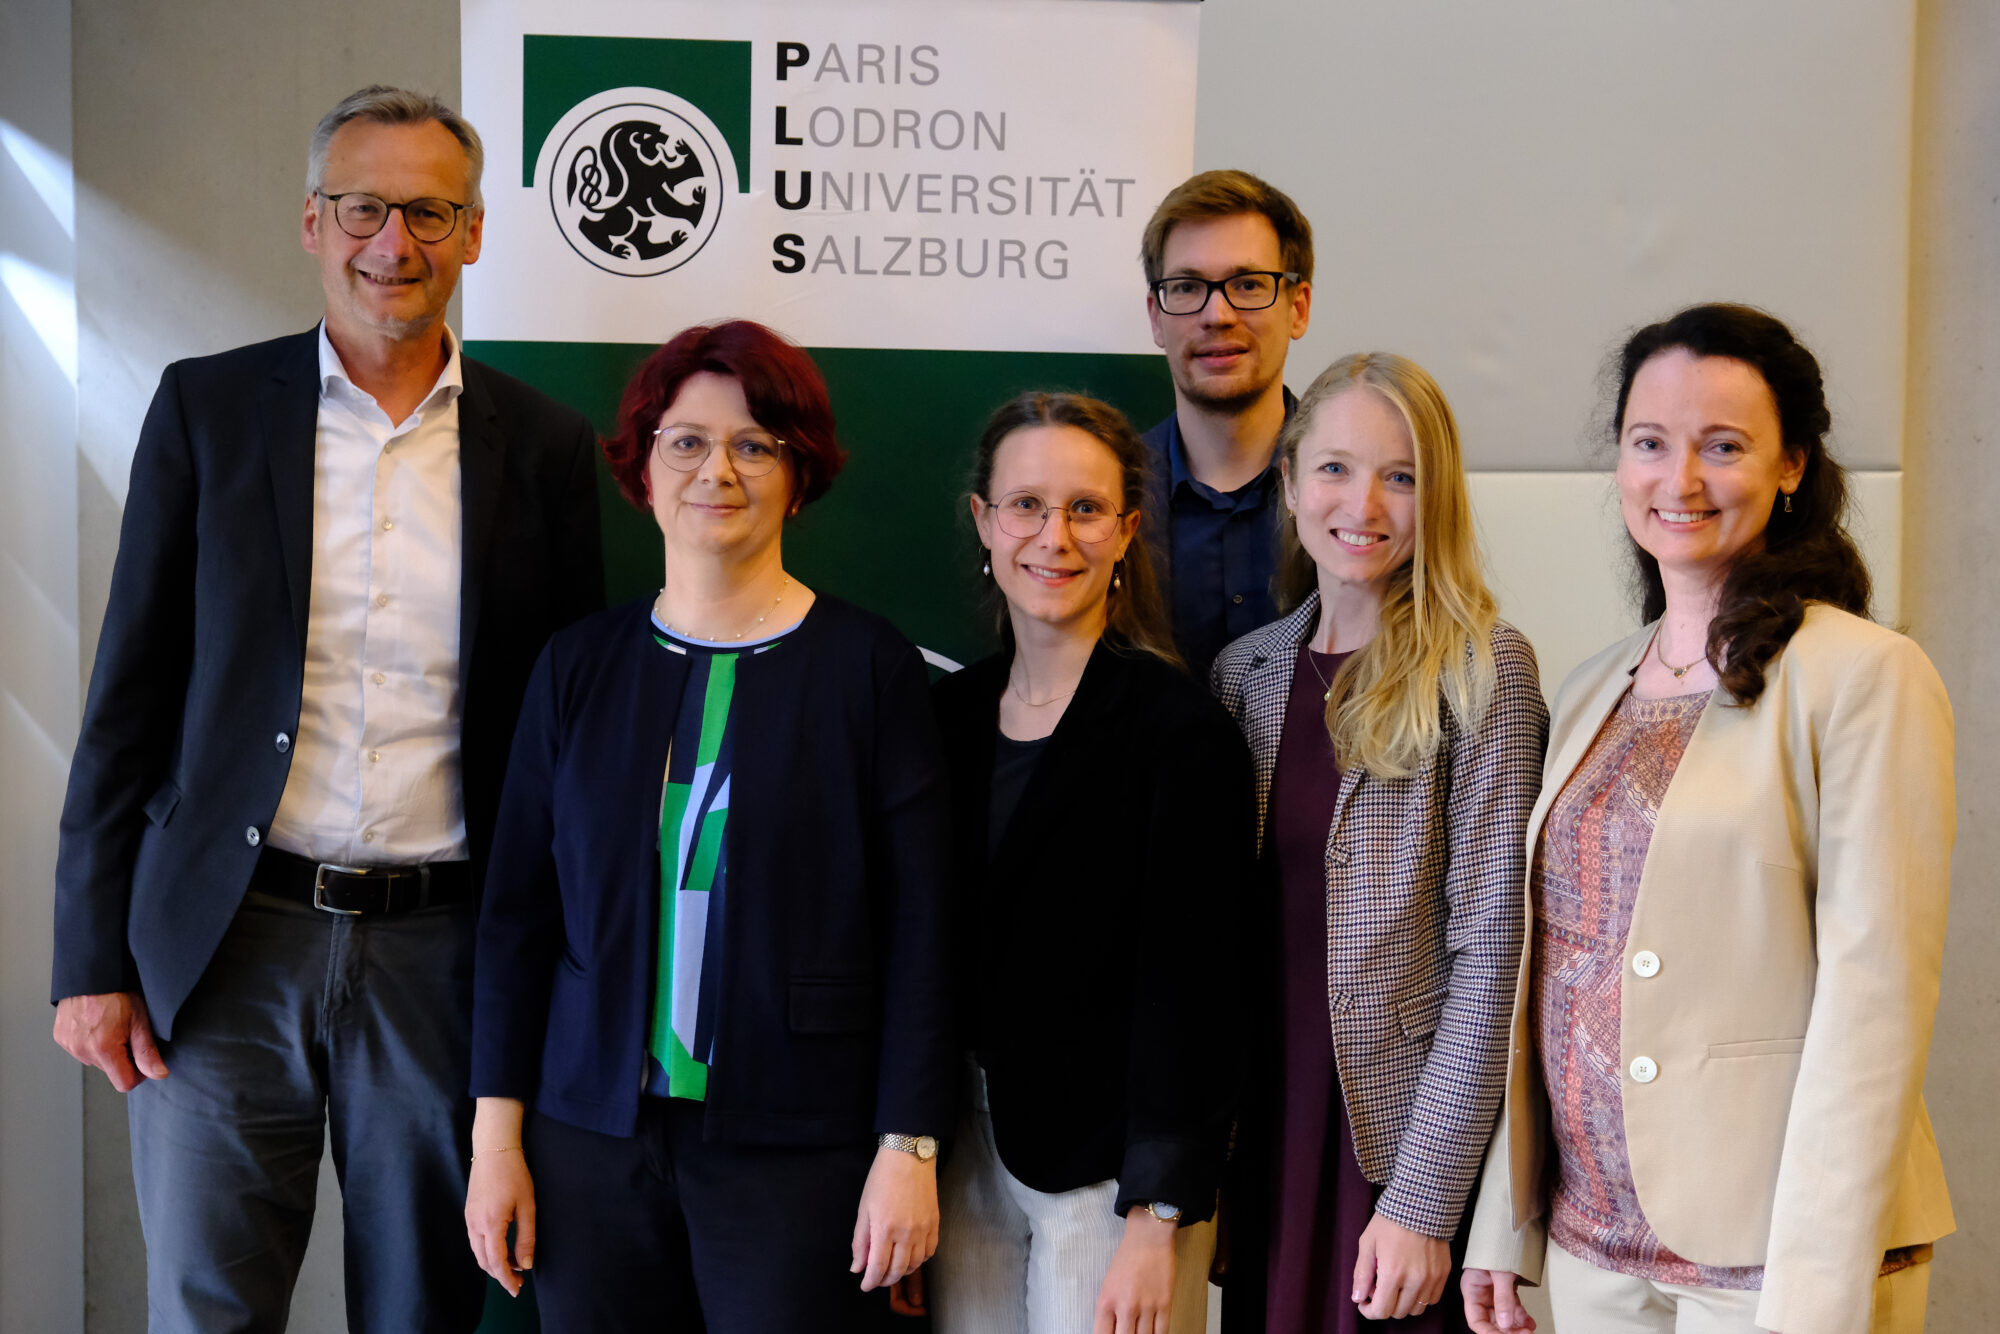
column 636, row 187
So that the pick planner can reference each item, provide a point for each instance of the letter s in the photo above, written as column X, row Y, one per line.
column 791, row 259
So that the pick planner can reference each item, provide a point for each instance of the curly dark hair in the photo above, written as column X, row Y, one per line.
column 1807, row 554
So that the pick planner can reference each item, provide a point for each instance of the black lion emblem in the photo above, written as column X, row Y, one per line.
column 633, row 178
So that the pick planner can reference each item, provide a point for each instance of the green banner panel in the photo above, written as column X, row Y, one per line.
column 894, row 534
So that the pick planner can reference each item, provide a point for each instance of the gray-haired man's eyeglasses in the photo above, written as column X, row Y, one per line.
column 362, row 215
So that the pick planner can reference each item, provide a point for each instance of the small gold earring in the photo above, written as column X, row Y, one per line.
column 1788, row 502
column 1117, row 579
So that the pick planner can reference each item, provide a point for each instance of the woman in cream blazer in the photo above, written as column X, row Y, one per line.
column 1774, row 989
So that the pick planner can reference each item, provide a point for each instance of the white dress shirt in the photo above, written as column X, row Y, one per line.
column 375, row 777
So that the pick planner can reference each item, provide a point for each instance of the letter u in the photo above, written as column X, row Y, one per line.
column 972, row 273
column 805, row 191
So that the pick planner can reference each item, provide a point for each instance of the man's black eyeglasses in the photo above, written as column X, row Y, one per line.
column 1185, row 294
column 362, row 215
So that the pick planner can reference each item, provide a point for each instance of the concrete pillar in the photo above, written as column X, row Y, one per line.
column 1951, row 561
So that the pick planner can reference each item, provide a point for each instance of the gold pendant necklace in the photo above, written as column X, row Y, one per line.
column 1313, row 662
column 1660, row 653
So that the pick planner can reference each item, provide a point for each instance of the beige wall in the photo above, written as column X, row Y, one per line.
column 1951, row 553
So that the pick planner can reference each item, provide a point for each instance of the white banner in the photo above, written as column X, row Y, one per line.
column 968, row 175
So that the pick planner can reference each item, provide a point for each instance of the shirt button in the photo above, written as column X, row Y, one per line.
column 368, row 837
column 283, row 743
column 381, row 599
column 379, row 678
column 252, row 837
column 1643, row 1070
column 1238, row 599
column 1645, row 963
column 388, row 524
column 374, row 755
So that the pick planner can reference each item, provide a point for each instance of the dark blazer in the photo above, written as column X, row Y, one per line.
column 194, row 698
column 832, row 1017
column 1424, row 922
column 1097, row 950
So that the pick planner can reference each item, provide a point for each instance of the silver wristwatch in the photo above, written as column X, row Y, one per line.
column 1166, row 1213
column 922, row 1147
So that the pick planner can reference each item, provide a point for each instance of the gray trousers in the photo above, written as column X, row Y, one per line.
column 307, row 1022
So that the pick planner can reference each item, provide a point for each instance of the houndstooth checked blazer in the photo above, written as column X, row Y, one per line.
column 1423, row 912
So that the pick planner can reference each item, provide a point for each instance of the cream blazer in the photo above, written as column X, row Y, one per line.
column 1772, row 1053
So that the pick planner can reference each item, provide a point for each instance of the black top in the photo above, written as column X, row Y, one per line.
column 194, row 699
column 1013, row 761
column 833, row 1014
column 1098, row 944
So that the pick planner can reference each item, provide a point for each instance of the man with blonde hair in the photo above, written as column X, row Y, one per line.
column 1228, row 262
column 342, row 552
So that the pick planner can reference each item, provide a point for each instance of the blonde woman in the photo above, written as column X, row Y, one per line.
column 1397, row 727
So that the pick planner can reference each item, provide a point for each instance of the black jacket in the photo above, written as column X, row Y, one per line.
column 1098, row 943
column 832, row 1020
column 200, row 668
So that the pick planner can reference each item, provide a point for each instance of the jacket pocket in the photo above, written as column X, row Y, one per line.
column 1418, row 1014
column 1723, row 1051
column 160, row 806
column 833, row 1005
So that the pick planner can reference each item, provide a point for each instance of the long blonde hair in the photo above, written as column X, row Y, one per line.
column 1435, row 645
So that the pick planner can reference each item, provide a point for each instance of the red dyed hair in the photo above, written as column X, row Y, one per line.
column 785, row 391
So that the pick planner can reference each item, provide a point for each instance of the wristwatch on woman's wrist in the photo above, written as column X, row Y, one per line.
column 922, row 1147
column 1166, row 1213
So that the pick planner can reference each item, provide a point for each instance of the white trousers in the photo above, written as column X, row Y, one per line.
column 1012, row 1260
column 1583, row 1297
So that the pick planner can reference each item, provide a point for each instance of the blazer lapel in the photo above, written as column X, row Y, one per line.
column 288, row 410
column 1591, row 711
column 1267, row 693
column 482, row 458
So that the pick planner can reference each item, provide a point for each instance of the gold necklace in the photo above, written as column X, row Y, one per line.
column 1660, row 653
column 783, row 588
column 1313, row 662
column 1038, row 703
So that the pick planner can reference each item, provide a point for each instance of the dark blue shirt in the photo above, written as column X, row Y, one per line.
column 1216, row 555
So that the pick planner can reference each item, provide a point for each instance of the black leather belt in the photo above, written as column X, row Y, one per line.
column 362, row 891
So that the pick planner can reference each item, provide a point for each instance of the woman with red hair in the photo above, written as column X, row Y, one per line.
column 709, row 1037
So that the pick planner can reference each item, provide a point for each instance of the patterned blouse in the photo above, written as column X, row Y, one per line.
column 1586, row 878
column 694, row 872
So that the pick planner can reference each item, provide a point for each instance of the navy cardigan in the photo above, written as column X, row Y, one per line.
column 834, row 1015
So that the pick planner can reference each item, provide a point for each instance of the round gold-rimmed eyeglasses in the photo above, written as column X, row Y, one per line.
column 1024, row 514
column 751, row 453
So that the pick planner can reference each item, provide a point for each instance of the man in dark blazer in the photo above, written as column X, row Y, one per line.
column 342, row 553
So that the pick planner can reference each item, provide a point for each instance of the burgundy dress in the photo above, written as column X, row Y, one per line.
column 1320, row 1203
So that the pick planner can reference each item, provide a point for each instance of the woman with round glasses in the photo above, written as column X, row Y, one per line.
column 1104, row 839
column 1397, row 726
column 711, row 966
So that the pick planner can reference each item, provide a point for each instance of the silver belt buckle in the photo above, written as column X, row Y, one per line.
column 319, row 884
